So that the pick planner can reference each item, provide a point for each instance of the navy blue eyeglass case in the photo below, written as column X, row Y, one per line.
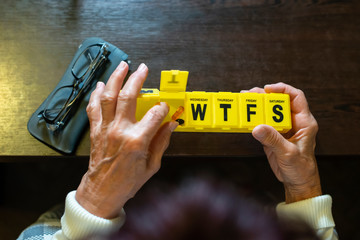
column 66, row 139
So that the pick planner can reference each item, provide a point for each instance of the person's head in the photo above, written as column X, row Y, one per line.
column 204, row 210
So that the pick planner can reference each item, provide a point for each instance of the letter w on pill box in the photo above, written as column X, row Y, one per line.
column 215, row 111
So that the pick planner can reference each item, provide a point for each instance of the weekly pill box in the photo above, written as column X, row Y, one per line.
column 216, row 111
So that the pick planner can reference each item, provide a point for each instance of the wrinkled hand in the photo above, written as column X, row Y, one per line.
column 124, row 153
column 291, row 156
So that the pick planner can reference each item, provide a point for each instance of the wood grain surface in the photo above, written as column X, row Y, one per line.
column 225, row 45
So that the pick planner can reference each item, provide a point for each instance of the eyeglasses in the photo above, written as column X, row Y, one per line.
column 62, row 101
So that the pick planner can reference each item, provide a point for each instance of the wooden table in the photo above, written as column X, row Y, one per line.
column 225, row 45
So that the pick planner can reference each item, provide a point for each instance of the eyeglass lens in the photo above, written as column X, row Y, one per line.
column 83, row 63
column 64, row 97
column 59, row 101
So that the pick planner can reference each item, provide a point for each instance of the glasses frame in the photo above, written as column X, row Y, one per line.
column 78, row 88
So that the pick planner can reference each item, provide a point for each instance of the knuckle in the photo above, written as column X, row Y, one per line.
column 107, row 98
column 156, row 114
column 131, row 142
column 300, row 93
column 292, row 153
column 272, row 139
column 113, row 136
column 154, row 164
column 282, row 84
column 95, row 134
column 92, row 135
column 90, row 107
column 125, row 96
column 254, row 89
column 135, row 143
column 314, row 125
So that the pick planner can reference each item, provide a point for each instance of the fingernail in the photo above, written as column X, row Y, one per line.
column 161, row 103
column 244, row 91
column 173, row 125
column 267, row 86
column 259, row 132
column 98, row 85
column 142, row 67
column 122, row 65
column 166, row 105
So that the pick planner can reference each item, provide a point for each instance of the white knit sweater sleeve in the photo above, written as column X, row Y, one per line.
column 314, row 211
column 77, row 223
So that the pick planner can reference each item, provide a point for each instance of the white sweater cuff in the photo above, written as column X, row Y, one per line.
column 78, row 223
column 314, row 211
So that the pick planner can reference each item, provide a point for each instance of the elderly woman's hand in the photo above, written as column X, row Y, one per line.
column 125, row 153
column 291, row 156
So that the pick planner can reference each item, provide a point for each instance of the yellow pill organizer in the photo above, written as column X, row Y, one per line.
column 216, row 111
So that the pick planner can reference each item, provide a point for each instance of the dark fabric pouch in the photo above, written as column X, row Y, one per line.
column 66, row 138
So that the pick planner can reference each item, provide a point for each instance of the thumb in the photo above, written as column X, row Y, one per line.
column 162, row 138
column 161, row 141
column 269, row 137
